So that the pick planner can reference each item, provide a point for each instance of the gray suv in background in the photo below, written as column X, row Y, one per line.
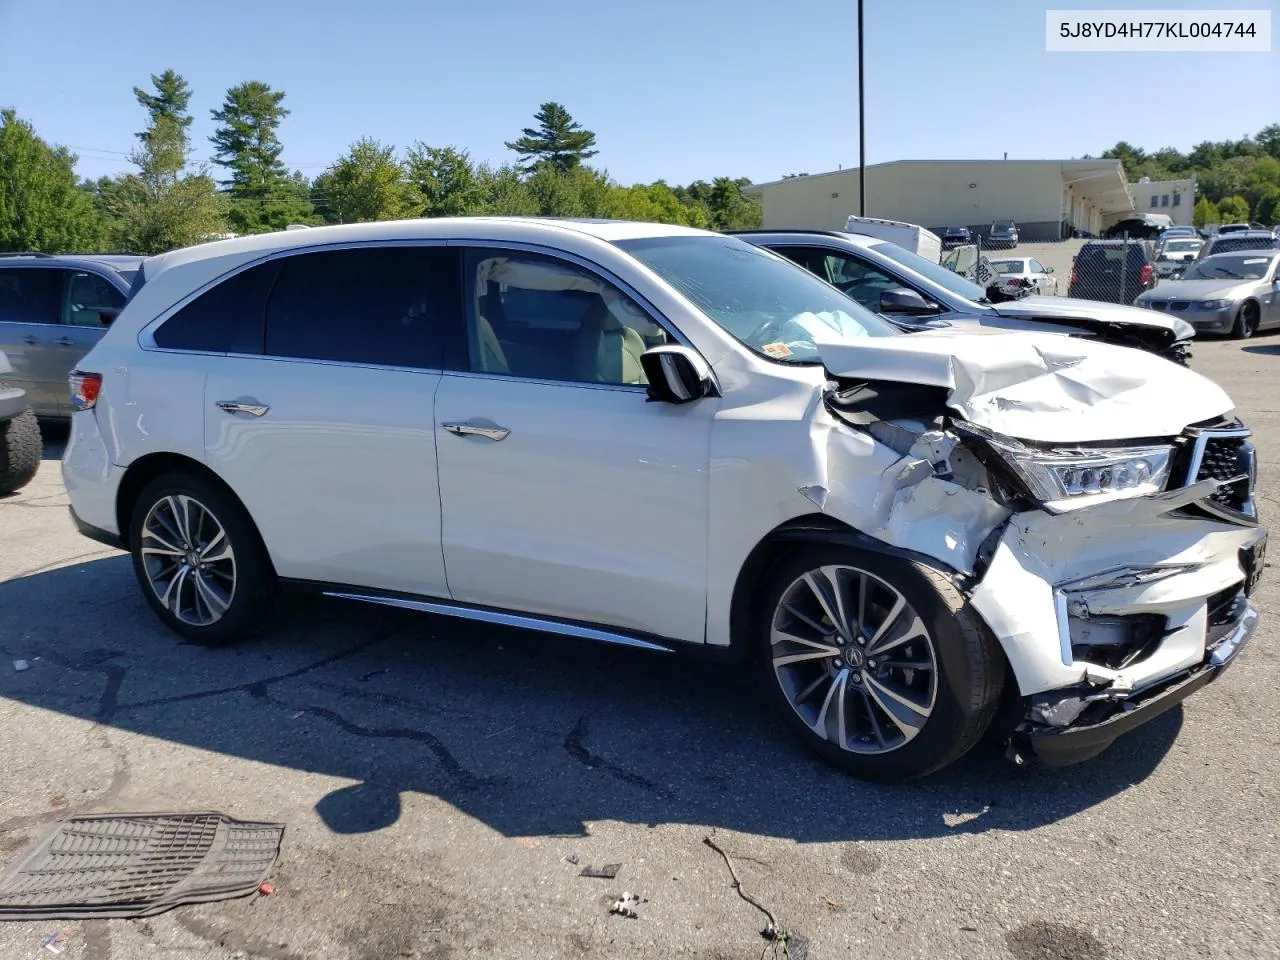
column 53, row 309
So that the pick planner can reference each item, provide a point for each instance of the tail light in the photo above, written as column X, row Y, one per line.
column 1145, row 277
column 85, row 388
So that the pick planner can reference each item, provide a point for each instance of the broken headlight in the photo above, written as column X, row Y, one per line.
column 1064, row 479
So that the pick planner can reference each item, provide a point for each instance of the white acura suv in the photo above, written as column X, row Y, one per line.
column 656, row 436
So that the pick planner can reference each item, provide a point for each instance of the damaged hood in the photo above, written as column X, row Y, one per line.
column 1035, row 387
column 1095, row 315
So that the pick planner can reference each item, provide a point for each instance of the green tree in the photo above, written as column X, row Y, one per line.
column 160, row 207
column 1234, row 209
column 42, row 206
column 367, row 183
column 247, row 143
column 503, row 192
column 1268, row 207
column 558, row 140
column 1268, row 139
column 1129, row 156
column 169, row 102
column 1205, row 213
column 447, row 180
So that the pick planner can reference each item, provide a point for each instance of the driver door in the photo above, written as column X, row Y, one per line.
column 563, row 492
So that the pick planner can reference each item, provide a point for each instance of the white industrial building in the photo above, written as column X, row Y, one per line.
column 1174, row 198
column 1048, row 199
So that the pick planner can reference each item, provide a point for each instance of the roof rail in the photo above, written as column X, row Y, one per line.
column 26, row 253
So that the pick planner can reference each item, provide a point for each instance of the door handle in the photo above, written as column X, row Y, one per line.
column 65, row 341
column 465, row 429
column 30, row 340
column 235, row 406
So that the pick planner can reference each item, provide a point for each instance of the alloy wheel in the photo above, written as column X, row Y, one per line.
column 854, row 659
column 188, row 560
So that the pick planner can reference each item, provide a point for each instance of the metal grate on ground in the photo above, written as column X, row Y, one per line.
column 137, row 865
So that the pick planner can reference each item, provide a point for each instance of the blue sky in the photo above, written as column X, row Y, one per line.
column 673, row 90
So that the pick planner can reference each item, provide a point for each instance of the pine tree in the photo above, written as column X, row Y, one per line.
column 558, row 140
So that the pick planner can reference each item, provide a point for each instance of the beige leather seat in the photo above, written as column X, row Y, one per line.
column 606, row 350
column 492, row 357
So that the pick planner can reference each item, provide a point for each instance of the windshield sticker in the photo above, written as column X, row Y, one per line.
column 778, row 351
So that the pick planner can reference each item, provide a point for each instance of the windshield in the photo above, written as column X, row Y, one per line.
column 1229, row 266
column 935, row 272
column 1004, row 267
column 1229, row 243
column 1182, row 246
column 771, row 305
column 1002, row 225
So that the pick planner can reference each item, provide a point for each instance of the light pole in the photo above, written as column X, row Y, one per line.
column 862, row 127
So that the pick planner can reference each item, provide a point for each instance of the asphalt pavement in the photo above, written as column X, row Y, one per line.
column 443, row 784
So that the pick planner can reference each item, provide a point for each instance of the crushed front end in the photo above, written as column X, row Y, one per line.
column 1146, row 598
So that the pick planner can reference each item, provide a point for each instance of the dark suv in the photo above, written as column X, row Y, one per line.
column 1112, row 270
column 1003, row 233
column 953, row 237
column 53, row 309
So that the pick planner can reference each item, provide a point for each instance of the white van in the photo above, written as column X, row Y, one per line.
column 916, row 239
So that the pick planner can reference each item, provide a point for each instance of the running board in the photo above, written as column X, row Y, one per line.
column 519, row 620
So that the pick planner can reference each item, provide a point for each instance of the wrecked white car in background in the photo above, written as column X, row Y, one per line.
column 649, row 435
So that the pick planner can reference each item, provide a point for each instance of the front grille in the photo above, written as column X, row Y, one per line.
column 1225, row 459
column 1220, row 451
column 1179, row 305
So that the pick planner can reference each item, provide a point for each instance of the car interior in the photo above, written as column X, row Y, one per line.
column 526, row 327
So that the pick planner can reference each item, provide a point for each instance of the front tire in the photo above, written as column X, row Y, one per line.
column 199, row 559
column 876, row 664
column 1246, row 322
column 20, row 449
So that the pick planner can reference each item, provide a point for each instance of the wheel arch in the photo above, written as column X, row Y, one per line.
column 810, row 528
column 145, row 469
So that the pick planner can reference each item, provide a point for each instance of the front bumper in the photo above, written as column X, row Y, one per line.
column 1088, row 736
column 1111, row 614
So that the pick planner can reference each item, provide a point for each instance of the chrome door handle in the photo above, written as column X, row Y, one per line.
column 65, row 341
column 464, row 429
column 234, row 406
column 31, row 340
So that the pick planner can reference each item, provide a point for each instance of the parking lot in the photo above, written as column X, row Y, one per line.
column 444, row 783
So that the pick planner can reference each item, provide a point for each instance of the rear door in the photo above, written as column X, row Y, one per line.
column 320, row 416
column 30, row 331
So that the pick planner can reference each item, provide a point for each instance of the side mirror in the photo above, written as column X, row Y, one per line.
column 902, row 300
column 1048, row 269
column 107, row 315
column 676, row 374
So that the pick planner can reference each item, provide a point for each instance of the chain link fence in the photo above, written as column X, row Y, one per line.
column 1114, row 271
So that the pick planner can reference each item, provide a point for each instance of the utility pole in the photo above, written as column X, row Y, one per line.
column 862, row 126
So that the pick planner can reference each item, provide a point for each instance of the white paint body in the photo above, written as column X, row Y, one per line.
column 604, row 509
column 1026, row 269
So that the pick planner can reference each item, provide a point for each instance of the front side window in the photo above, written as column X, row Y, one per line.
column 947, row 279
column 776, row 308
column 29, row 295
column 87, row 296
column 1037, row 267
column 543, row 318
column 385, row 305
column 853, row 277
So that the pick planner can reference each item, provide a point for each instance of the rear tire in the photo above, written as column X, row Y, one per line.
column 881, row 695
column 200, row 561
column 20, row 449
column 1246, row 322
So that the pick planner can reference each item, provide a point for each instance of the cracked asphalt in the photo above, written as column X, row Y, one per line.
column 436, row 778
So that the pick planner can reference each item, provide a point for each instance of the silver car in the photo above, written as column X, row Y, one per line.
column 1174, row 254
column 53, row 309
column 1236, row 293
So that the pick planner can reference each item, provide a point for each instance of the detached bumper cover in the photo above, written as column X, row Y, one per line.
column 1059, row 746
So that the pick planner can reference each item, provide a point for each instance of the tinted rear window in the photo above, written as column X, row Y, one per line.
column 31, row 295
column 224, row 319
column 393, row 306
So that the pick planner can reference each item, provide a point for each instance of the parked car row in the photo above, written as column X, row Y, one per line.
column 922, row 518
